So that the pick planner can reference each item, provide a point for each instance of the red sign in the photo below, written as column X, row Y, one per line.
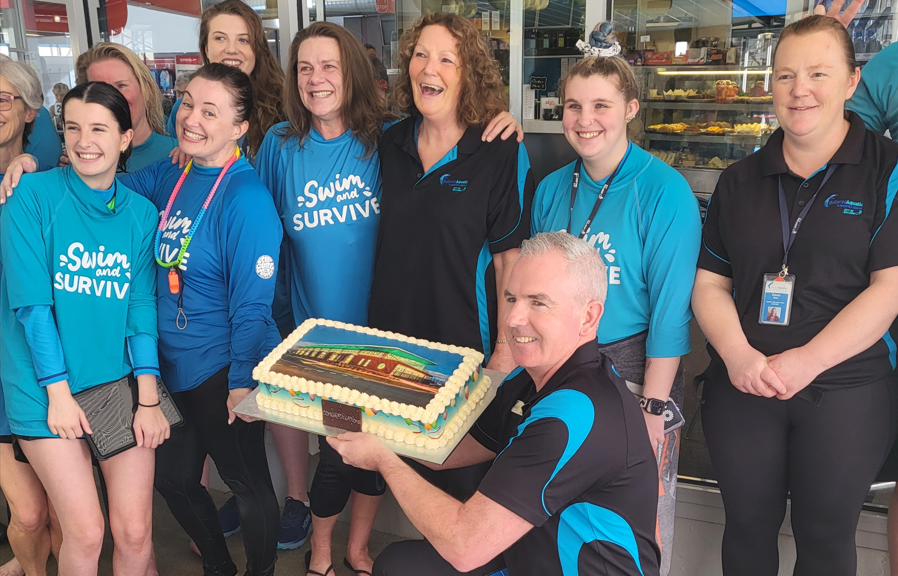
column 188, row 59
column 385, row 6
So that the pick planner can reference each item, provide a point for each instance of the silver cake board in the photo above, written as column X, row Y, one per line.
column 248, row 407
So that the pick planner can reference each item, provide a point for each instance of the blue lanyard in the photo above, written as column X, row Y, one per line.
column 789, row 235
column 575, row 185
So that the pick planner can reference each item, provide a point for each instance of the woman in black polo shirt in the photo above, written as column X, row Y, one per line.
column 796, row 289
column 454, row 209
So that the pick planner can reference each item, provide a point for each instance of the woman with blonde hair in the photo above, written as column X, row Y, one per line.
column 120, row 67
column 231, row 33
column 456, row 206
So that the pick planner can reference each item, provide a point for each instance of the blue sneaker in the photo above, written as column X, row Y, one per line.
column 296, row 525
column 229, row 517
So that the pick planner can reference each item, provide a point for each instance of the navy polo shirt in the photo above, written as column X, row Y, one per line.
column 433, row 272
column 849, row 232
column 574, row 459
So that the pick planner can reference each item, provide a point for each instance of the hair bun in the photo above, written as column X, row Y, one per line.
column 602, row 41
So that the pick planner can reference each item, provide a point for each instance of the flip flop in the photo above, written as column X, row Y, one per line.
column 358, row 572
column 316, row 573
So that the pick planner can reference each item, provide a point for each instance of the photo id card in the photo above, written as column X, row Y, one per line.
column 776, row 299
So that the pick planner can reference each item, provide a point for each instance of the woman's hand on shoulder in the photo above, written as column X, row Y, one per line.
column 19, row 165
column 503, row 125
column 151, row 426
column 65, row 418
column 750, row 373
column 796, row 369
column 179, row 157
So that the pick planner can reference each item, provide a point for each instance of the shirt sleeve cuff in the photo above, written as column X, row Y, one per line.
column 144, row 354
column 42, row 337
column 241, row 376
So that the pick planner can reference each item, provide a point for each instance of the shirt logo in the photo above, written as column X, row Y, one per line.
column 350, row 198
column 602, row 242
column 457, row 185
column 850, row 207
column 99, row 273
column 265, row 267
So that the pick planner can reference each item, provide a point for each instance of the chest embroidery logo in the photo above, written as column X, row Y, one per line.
column 92, row 266
column 850, row 207
column 457, row 185
column 352, row 200
column 177, row 226
column 265, row 267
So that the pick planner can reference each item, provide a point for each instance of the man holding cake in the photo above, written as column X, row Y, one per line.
column 573, row 487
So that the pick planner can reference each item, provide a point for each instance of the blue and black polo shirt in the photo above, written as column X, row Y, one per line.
column 574, row 459
column 439, row 229
column 848, row 233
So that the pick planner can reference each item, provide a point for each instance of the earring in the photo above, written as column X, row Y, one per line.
column 630, row 119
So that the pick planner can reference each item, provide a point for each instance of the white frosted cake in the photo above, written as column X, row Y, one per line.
column 402, row 389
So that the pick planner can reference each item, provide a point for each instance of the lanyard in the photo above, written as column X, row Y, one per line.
column 174, row 273
column 575, row 185
column 789, row 236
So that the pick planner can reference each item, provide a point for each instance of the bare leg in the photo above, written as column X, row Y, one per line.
column 322, row 530
column 64, row 469
column 293, row 449
column 129, row 480
column 55, row 530
column 28, row 534
column 893, row 532
column 364, row 511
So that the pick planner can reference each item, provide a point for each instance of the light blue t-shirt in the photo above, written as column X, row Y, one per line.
column 876, row 97
column 43, row 142
column 170, row 123
column 62, row 246
column 327, row 194
column 228, row 272
column 648, row 230
column 156, row 147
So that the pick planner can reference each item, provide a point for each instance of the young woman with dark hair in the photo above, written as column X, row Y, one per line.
column 78, row 309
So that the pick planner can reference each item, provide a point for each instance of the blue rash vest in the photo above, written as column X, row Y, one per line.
column 648, row 230
column 62, row 246
column 327, row 194
column 156, row 146
column 43, row 142
column 228, row 272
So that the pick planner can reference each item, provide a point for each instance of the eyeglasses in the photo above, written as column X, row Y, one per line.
column 6, row 101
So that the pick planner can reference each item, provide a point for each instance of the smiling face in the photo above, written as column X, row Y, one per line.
column 320, row 79
column 13, row 121
column 94, row 142
column 229, row 42
column 207, row 123
column 435, row 72
column 120, row 75
column 595, row 116
column 545, row 322
column 811, row 82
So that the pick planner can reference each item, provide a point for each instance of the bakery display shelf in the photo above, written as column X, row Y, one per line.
column 556, row 56
column 698, row 137
column 249, row 407
column 706, row 105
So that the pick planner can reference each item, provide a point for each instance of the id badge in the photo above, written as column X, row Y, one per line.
column 776, row 299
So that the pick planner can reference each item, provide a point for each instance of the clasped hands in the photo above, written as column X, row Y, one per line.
column 781, row 375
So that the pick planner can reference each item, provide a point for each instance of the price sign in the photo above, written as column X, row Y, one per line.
column 537, row 82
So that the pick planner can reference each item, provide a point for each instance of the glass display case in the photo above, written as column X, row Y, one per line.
column 701, row 119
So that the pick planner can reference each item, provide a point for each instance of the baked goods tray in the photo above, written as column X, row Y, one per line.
column 248, row 407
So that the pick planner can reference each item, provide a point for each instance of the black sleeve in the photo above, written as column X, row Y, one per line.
column 884, row 246
column 713, row 254
column 488, row 428
column 564, row 447
column 508, row 217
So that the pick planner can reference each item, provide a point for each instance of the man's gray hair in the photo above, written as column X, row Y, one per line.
column 585, row 265
column 25, row 81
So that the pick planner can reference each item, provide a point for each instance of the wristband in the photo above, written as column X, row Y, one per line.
column 149, row 405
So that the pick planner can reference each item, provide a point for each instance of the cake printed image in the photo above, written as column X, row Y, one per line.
column 400, row 388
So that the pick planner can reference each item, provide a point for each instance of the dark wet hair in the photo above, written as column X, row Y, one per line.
column 108, row 97
column 237, row 84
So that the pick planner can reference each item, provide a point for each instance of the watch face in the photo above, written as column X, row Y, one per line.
column 654, row 407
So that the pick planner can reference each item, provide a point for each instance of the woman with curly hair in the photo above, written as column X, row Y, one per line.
column 231, row 33
column 454, row 209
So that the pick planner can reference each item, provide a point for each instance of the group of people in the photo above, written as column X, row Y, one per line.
column 300, row 195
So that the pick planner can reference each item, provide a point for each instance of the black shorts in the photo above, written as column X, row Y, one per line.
column 6, row 439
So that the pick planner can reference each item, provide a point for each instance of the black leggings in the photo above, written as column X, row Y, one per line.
column 827, row 456
column 415, row 557
column 238, row 451
column 334, row 480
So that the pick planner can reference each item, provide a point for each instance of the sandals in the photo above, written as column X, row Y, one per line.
column 358, row 572
column 316, row 573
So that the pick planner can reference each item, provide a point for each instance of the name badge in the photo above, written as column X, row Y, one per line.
column 776, row 299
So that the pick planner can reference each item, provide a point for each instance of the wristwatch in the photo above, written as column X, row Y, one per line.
column 652, row 406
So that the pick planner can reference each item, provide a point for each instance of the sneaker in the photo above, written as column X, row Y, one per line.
column 296, row 525
column 229, row 517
